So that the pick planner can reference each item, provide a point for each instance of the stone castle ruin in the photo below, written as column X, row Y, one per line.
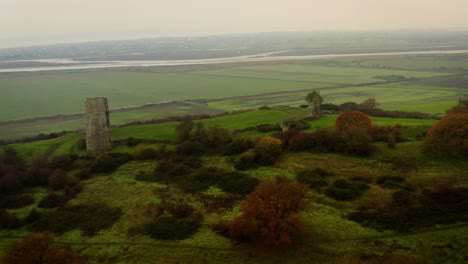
column 97, row 125
column 314, row 108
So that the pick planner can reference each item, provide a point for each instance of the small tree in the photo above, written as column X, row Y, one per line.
column 271, row 212
column 353, row 119
column 184, row 129
column 315, row 94
column 448, row 137
column 370, row 103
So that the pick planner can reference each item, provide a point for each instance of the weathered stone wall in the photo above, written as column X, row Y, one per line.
column 97, row 125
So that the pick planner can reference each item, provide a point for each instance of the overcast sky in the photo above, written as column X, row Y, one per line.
column 30, row 22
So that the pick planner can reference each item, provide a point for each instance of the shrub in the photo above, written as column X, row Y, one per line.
column 38, row 173
column 189, row 147
column 120, row 158
column 52, row 200
column 353, row 119
column 37, row 248
column 301, row 141
column 63, row 161
column 104, row 164
column 89, row 219
column 344, row 190
column 172, row 228
column 216, row 137
column 16, row 201
column 184, row 129
column 58, row 180
column 264, row 128
column 271, row 212
column 145, row 153
column 314, row 178
column 238, row 146
column 9, row 220
column 358, row 142
column 448, row 137
column 269, row 146
column 245, row 161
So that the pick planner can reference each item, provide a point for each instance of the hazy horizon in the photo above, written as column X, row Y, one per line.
column 29, row 22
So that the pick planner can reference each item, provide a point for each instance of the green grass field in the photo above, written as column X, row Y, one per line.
column 24, row 95
column 232, row 122
column 227, row 87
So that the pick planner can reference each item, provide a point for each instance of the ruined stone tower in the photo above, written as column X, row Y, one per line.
column 97, row 125
column 315, row 108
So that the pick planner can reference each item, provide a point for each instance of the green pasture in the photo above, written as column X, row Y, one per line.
column 232, row 122
column 24, row 95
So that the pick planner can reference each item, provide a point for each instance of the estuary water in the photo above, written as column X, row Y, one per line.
column 75, row 64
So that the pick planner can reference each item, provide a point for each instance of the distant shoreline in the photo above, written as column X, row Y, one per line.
column 80, row 65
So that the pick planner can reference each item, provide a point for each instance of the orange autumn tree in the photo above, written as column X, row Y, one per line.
column 448, row 137
column 271, row 212
column 353, row 119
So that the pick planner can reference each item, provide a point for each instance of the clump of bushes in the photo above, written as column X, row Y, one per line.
column 89, row 219
column 145, row 153
column 266, row 151
column 238, row 146
column 190, row 147
column 411, row 212
column 344, row 190
column 172, row 228
column 9, row 220
column 35, row 248
column 315, row 178
column 16, row 201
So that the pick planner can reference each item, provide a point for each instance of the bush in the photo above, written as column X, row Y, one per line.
column 265, row 128
column 238, row 146
column 37, row 248
column 271, row 212
column 448, row 137
column 216, row 137
column 172, row 228
column 269, row 146
column 16, row 201
column 353, row 119
column 59, row 179
column 9, row 220
column 245, row 161
column 358, row 142
column 63, row 161
column 301, row 141
column 38, row 173
column 89, row 219
column 52, row 200
column 344, row 190
column 391, row 182
column 145, row 153
column 104, row 164
column 314, row 178
column 120, row 158
column 189, row 147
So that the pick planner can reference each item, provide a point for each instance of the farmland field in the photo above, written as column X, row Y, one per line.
column 430, row 84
